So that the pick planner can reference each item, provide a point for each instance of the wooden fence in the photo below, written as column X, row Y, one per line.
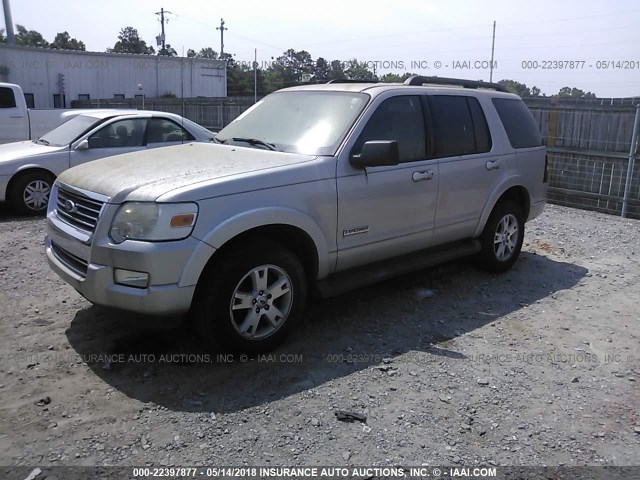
column 588, row 146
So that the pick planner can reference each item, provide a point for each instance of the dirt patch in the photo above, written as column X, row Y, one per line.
column 539, row 366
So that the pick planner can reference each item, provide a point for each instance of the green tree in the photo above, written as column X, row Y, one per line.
column 3, row 38
column 321, row 69
column 520, row 88
column 273, row 80
column 207, row 52
column 292, row 65
column 64, row 41
column 575, row 93
column 516, row 87
column 356, row 70
column 168, row 51
column 395, row 78
column 29, row 38
column 130, row 42
column 191, row 53
column 336, row 72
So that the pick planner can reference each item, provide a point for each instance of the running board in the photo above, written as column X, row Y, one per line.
column 369, row 274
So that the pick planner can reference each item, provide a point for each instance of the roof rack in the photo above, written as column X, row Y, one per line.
column 349, row 80
column 458, row 82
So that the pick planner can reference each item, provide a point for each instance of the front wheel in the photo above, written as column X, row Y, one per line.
column 251, row 298
column 502, row 237
column 29, row 193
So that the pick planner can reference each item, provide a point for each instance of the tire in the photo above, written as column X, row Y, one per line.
column 502, row 237
column 251, row 299
column 29, row 193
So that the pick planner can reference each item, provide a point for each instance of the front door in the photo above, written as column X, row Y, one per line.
column 121, row 136
column 387, row 211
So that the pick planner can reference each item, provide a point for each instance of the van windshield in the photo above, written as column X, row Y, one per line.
column 70, row 130
column 307, row 122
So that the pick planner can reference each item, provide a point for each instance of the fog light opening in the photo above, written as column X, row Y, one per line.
column 131, row 278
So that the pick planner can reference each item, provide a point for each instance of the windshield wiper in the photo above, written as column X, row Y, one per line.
column 43, row 141
column 255, row 141
column 215, row 139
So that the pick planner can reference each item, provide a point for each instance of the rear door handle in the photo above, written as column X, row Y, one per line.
column 492, row 164
column 420, row 176
column 16, row 116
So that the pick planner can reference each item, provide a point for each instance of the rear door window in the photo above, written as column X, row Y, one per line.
column 452, row 125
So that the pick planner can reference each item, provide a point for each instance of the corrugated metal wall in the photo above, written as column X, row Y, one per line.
column 45, row 73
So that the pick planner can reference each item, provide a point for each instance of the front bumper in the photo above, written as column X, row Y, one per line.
column 90, row 270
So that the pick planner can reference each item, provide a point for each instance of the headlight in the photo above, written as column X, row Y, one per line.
column 153, row 221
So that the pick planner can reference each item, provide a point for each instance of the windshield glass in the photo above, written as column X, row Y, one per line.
column 67, row 132
column 307, row 122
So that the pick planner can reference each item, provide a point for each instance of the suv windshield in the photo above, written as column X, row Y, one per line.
column 67, row 132
column 307, row 122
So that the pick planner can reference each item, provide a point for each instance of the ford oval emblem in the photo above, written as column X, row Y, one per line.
column 70, row 206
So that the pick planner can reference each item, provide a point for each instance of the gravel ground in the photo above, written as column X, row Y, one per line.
column 452, row 366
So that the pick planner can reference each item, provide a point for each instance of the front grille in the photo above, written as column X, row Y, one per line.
column 78, row 210
column 76, row 264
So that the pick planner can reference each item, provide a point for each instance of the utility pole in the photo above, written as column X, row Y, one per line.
column 162, row 21
column 493, row 44
column 255, row 76
column 8, row 22
column 222, row 28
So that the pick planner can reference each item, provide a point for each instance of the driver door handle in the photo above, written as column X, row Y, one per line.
column 493, row 164
column 420, row 176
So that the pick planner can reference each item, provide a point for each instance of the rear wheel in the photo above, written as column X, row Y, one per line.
column 29, row 193
column 251, row 298
column 502, row 237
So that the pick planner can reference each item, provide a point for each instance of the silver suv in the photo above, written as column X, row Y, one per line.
column 317, row 188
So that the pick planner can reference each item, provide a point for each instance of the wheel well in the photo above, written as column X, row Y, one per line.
column 520, row 196
column 24, row 172
column 293, row 238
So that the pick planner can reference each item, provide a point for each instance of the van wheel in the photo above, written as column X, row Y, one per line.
column 251, row 299
column 29, row 193
column 502, row 237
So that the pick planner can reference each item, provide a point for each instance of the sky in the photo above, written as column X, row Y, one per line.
column 535, row 42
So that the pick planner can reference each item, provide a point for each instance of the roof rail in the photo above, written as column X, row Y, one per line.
column 458, row 82
column 349, row 80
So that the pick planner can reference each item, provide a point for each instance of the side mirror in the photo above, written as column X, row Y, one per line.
column 83, row 145
column 377, row 153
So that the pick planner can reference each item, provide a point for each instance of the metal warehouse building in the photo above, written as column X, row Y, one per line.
column 53, row 78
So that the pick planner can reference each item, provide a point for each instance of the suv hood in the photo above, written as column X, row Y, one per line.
column 150, row 174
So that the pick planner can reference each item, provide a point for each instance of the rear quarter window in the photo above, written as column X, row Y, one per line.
column 518, row 122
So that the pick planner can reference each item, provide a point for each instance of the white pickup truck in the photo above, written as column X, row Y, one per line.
column 17, row 122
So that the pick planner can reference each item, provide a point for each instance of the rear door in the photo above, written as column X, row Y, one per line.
column 162, row 132
column 468, row 168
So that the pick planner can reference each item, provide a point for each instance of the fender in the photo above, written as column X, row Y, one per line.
column 492, row 199
column 238, row 224
column 33, row 166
